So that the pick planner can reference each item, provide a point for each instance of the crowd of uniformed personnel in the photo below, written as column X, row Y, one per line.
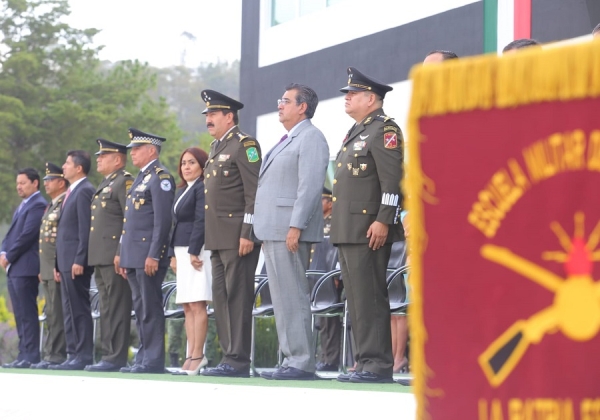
column 120, row 230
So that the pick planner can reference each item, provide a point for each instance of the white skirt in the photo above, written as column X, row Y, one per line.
column 192, row 285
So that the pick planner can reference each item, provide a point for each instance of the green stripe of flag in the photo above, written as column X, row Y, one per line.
column 490, row 25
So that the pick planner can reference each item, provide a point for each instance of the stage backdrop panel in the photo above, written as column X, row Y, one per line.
column 503, row 181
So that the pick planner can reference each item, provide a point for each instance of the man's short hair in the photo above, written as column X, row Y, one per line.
column 81, row 158
column 518, row 44
column 447, row 55
column 306, row 95
column 31, row 174
column 596, row 29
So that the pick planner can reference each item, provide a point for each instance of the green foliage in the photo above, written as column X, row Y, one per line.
column 5, row 315
column 182, row 87
column 56, row 95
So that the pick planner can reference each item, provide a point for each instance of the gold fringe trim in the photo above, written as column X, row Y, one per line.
column 480, row 83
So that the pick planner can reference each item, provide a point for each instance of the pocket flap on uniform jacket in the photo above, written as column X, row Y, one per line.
column 364, row 207
column 285, row 202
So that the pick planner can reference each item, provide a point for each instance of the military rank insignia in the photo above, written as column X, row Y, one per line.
column 252, row 154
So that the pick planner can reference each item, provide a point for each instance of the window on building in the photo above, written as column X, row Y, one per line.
column 286, row 10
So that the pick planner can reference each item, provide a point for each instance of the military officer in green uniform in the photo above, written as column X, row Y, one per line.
column 231, row 179
column 144, row 247
column 55, row 348
column 365, row 221
column 108, row 207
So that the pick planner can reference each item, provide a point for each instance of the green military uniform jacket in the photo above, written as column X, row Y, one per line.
column 48, row 238
column 366, row 188
column 230, row 181
column 108, row 207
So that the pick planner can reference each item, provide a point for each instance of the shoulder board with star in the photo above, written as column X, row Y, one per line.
column 383, row 118
column 242, row 136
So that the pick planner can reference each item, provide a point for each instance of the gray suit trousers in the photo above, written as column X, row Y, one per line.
column 290, row 293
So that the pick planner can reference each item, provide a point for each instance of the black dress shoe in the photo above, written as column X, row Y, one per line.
column 73, row 364
column 23, row 364
column 42, row 365
column 227, row 371
column 405, row 382
column 11, row 364
column 365, row 377
column 345, row 377
column 269, row 374
column 103, row 366
column 146, row 369
column 292, row 374
column 126, row 369
column 326, row 367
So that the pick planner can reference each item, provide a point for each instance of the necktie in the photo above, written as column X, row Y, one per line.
column 66, row 196
column 271, row 151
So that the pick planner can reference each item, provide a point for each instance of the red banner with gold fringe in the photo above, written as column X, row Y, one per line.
column 504, row 198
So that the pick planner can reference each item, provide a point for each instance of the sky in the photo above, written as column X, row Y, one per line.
column 151, row 31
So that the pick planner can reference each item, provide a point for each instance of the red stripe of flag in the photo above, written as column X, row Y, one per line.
column 522, row 19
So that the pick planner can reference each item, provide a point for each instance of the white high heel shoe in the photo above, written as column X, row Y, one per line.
column 202, row 364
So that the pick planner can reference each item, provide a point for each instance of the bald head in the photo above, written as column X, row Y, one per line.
column 437, row 56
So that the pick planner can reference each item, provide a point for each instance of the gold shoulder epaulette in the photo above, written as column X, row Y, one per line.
column 126, row 173
column 242, row 136
column 158, row 169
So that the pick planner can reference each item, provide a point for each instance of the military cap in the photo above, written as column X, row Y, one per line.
column 139, row 137
column 53, row 171
column 361, row 82
column 327, row 193
column 216, row 101
column 107, row 146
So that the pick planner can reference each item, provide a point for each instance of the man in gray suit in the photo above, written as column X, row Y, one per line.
column 287, row 218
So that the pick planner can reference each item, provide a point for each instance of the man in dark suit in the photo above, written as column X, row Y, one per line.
column 231, row 178
column 20, row 258
column 144, row 247
column 55, row 349
column 366, row 221
column 288, row 221
column 108, row 207
column 73, row 270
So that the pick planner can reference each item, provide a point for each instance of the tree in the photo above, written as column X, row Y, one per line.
column 182, row 87
column 56, row 95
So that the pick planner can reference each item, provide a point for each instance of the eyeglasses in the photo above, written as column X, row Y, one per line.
column 283, row 101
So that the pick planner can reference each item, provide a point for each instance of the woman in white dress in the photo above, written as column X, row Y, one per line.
column 187, row 244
